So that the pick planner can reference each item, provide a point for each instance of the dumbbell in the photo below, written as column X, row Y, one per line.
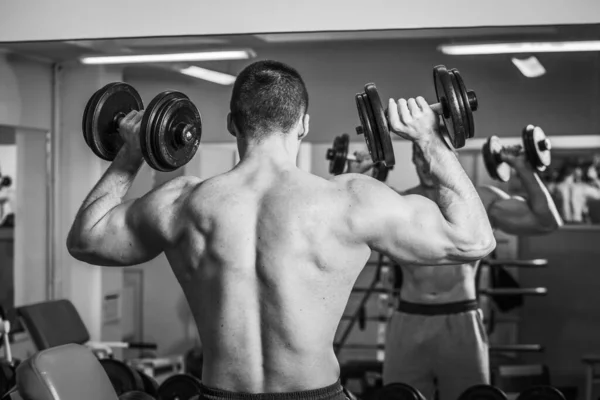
column 338, row 156
column 398, row 391
column 129, row 382
column 536, row 145
column 5, row 181
column 170, row 130
column 541, row 392
column 455, row 105
column 482, row 391
column 179, row 386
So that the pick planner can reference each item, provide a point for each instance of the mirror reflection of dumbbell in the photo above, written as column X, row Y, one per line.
column 170, row 129
column 536, row 146
column 338, row 157
column 455, row 106
column 5, row 181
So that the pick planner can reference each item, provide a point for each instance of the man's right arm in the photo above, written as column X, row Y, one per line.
column 453, row 227
column 411, row 229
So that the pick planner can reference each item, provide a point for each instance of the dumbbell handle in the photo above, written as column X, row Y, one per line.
column 4, row 331
column 118, row 118
column 184, row 134
column 437, row 108
column 544, row 145
column 331, row 155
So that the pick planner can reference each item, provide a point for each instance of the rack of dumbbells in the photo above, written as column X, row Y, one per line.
column 505, row 294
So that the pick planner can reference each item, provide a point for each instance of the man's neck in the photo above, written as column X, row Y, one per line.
column 276, row 149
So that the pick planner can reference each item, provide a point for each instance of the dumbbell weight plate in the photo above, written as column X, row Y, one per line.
column 380, row 172
column 179, row 387
column 381, row 131
column 541, row 393
column 483, row 392
column 447, row 95
column 368, row 109
column 398, row 391
column 122, row 376
column 366, row 128
column 99, row 124
column 150, row 385
column 497, row 169
column 469, row 108
column 461, row 110
column 160, row 136
column 537, row 147
column 86, row 123
column 338, row 153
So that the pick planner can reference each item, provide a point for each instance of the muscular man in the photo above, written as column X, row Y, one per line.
column 436, row 339
column 266, row 253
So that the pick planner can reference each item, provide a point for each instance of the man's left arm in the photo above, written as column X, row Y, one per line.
column 108, row 231
column 535, row 214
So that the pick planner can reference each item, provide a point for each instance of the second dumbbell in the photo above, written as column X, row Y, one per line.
column 338, row 157
column 536, row 146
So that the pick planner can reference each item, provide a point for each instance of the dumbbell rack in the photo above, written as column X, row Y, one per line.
column 511, row 351
column 497, row 292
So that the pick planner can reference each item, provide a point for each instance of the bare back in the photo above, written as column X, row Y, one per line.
column 268, row 268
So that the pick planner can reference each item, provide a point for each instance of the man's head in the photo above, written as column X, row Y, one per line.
column 268, row 98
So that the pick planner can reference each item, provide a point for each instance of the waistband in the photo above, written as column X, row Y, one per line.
column 438, row 309
column 335, row 391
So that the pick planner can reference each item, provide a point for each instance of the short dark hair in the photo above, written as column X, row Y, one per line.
column 267, row 96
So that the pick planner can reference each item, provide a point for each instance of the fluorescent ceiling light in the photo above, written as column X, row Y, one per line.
column 401, row 34
column 513, row 48
column 175, row 57
column 208, row 75
column 530, row 67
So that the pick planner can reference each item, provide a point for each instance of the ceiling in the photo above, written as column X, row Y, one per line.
column 71, row 50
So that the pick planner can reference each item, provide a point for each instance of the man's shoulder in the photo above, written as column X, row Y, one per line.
column 353, row 181
column 178, row 186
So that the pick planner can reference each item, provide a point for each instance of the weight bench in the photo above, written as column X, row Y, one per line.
column 57, row 322
column 68, row 372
